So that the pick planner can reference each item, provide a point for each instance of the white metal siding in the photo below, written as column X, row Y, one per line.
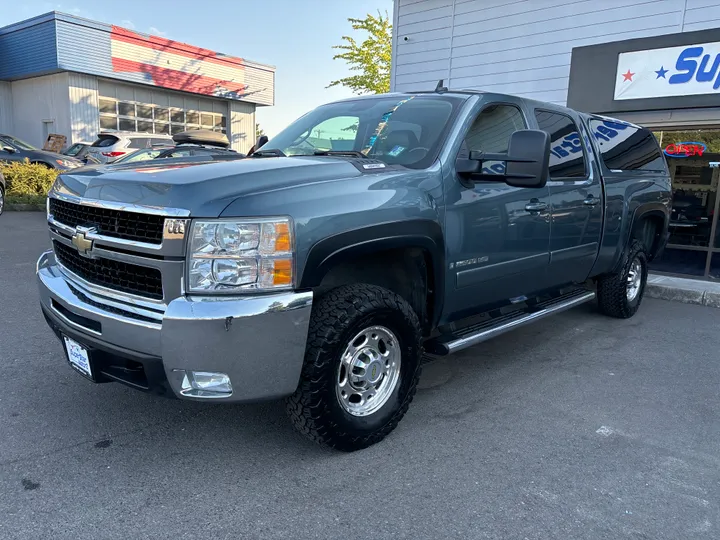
column 523, row 47
column 6, row 108
column 84, row 110
column 242, row 126
column 38, row 99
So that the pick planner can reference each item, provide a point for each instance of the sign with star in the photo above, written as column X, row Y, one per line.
column 688, row 70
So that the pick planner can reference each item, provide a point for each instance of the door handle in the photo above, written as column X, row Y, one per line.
column 591, row 201
column 535, row 206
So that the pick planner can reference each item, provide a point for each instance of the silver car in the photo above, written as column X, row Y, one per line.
column 111, row 145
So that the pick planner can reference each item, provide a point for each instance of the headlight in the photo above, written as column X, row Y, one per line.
column 252, row 254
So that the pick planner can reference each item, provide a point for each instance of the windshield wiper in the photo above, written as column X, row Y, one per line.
column 352, row 153
column 269, row 152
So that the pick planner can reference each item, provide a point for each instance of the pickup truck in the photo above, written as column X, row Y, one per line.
column 368, row 233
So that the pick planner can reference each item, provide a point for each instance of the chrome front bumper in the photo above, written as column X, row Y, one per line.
column 259, row 341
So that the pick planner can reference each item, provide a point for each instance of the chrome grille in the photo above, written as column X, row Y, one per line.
column 113, row 274
column 133, row 226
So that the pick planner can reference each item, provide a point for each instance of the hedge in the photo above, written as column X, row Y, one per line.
column 25, row 178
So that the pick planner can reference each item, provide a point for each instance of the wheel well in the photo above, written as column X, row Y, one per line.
column 648, row 230
column 405, row 271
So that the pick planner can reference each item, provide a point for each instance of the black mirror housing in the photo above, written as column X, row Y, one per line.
column 526, row 163
column 529, row 165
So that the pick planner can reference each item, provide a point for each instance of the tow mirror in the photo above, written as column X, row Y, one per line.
column 526, row 163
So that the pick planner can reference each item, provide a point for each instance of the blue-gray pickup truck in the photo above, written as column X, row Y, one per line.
column 369, row 232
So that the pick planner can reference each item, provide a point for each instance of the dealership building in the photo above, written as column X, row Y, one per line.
column 61, row 74
column 655, row 63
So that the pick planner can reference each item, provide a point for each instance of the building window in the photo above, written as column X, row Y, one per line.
column 147, row 118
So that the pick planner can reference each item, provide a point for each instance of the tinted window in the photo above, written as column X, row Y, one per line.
column 490, row 132
column 105, row 141
column 139, row 142
column 162, row 114
column 126, row 109
column 626, row 147
column 567, row 156
column 125, row 124
column 108, row 122
column 108, row 106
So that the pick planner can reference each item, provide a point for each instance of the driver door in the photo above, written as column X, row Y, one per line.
column 497, row 236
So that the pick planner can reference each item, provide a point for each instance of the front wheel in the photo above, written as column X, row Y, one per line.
column 620, row 294
column 362, row 366
column 2, row 200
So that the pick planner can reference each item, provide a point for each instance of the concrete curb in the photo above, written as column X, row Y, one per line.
column 688, row 291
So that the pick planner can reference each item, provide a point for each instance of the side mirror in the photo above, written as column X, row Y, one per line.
column 526, row 163
column 9, row 149
column 261, row 141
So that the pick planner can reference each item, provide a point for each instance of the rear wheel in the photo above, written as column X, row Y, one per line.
column 361, row 370
column 2, row 200
column 620, row 294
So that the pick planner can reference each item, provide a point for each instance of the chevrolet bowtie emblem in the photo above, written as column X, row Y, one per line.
column 81, row 242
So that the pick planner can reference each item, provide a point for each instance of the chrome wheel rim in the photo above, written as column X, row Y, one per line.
column 634, row 280
column 2, row 200
column 369, row 371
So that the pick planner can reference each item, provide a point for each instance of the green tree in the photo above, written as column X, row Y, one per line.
column 371, row 58
column 259, row 132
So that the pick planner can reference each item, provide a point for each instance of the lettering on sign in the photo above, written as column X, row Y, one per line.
column 685, row 149
column 668, row 72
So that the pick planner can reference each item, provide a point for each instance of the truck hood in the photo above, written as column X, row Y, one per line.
column 205, row 188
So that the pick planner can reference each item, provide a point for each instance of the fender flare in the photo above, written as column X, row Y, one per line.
column 425, row 234
column 656, row 209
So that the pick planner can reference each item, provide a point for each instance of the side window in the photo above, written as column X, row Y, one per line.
column 490, row 132
column 567, row 156
column 180, row 153
column 625, row 147
column 139, row 142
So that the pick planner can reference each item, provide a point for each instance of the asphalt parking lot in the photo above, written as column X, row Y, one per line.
column 577, row 427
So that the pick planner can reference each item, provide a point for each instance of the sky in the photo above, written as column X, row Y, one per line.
column 294, row 36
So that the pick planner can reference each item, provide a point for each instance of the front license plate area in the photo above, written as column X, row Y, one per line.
column 79, row 357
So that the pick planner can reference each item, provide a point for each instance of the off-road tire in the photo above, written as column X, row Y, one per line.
column 338, row 316
column 612, row 288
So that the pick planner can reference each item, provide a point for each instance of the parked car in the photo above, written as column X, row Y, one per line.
column 2, row 193
column 77, row 150
column 186, row 144
column 320, row 275
column 111, row 145
column 13, row 149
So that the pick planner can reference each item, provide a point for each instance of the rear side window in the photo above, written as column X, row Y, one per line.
column 625, row 147
column 139, row 142
column 567, row 155
column 105, row 140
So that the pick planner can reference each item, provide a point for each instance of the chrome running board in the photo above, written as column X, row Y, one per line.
column 477, row 333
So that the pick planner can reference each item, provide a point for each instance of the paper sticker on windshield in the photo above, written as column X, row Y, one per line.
column 396, row 151
column 374, row 166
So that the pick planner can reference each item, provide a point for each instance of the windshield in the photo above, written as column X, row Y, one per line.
column 17, row 143
column 139, row 155
column 399, row 130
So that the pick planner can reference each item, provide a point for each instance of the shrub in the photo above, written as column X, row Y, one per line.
column 24, row 178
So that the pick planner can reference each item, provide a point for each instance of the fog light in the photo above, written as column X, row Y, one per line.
column 205, row 384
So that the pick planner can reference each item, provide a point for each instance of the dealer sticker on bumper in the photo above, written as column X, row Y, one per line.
column 78, row 356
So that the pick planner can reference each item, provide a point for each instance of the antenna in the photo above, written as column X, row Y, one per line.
column 439, row 89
